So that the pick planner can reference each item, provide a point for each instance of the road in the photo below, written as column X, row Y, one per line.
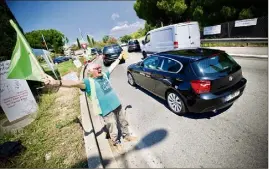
column 237, row 137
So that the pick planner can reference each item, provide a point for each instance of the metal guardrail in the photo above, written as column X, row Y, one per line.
column 236, row 40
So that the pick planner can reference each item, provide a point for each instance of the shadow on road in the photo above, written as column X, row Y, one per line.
column 151, row 139
column 191, row 115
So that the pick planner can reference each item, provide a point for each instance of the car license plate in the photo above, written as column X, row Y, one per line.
column 231, row 96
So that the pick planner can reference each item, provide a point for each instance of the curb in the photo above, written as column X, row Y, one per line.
column 249, row 56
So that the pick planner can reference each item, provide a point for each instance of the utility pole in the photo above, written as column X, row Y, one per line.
column 80, row 34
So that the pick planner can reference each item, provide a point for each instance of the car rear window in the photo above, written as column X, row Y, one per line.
column 112, row 49
column 220, row 63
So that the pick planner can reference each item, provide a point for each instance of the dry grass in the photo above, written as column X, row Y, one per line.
column 54, row 132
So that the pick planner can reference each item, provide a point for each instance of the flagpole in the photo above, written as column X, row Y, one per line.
column 81, row 34
column 49, row 64
column 26, row 46
column 45, row 42
column 47, row 48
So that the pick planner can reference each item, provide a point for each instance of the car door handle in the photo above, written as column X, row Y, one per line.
column 179, row 80
column 167, row 81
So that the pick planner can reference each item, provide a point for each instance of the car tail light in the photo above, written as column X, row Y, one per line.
column 201, row 86
column 175, row 44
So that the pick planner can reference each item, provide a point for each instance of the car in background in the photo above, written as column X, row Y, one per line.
column 190, row 80
column 133, row 45
column 111, row 53
column 123, row 44
column 61, row 59
column 94, row 51
column 99, row 51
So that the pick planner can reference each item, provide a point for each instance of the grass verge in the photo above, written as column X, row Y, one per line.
column 54, row 139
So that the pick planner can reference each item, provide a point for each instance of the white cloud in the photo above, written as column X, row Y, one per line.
column 114, row 16
column 124, row 28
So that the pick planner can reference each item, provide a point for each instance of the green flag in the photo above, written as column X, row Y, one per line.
column 24, row 64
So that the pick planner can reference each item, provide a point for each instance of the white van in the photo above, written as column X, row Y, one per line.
column 172, row 37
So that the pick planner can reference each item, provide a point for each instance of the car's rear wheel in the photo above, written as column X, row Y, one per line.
column 175, row 103
column 131, row 80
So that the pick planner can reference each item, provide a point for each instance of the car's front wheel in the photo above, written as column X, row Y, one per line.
column 175, row 103
column 131, row 80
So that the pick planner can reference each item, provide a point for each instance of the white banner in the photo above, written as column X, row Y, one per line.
column 245, row 22
column 212, row 30
column 77, row 63
column 16, row 98
column 70, row 76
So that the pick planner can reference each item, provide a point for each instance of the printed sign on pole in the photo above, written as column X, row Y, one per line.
column 84, row 46
column 212, row 30
column 77, row 63
column 245, row 22
column 16, row 98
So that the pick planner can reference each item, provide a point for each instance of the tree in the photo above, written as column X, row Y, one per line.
column 125, row 38
column 54, row 39
column 245, row 14
column 111, row 41
column 74, row 47
column 89, row 41
column 229, row 13
column 105, row 38
column 8, row 35
column 206, row 12
column 79, row 46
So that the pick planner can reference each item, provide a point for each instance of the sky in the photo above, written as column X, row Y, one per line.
column 95, row 18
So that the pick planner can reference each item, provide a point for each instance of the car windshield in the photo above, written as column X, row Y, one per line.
column 221, row 63
column 131, row 43
column 112, row 49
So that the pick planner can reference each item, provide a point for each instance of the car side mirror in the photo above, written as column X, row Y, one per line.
column 142, row 64
column 143, row 42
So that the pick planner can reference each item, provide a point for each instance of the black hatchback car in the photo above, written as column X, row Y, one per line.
column 192, row 80
column 133, row 45
column 111, row 53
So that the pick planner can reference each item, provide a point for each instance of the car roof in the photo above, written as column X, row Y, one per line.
column 111, row 45
column 191, row 54
column 174, row 25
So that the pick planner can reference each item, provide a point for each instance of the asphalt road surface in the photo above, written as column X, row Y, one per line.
column 236, row 137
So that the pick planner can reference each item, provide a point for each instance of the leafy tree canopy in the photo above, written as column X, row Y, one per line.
column 125, row 38
column 54, row 39
column 105, row 38
column 206, row 12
